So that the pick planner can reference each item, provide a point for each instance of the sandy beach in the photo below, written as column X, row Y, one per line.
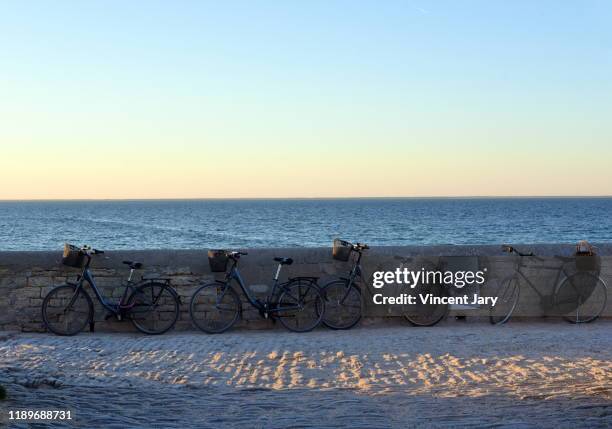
column 535, row 374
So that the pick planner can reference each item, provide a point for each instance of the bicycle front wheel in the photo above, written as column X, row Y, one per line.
column 342, row 304
column 154, row 308
column 581, row 298
column 301, row 306
column 67, row 310
column 507, row 299
column 214, row 307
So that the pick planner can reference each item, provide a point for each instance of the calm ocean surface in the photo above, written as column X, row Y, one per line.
column 195, row 224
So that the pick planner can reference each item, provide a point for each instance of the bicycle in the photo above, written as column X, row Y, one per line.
column 345, row 298
column 570, row 295
column 216, row 306
column 150, row 304
column 344, row 295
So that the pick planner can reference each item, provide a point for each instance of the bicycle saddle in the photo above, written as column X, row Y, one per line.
column 284, row 261
column 133, row 264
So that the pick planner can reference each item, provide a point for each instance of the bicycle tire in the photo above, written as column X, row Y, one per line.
column 200, row 311
column 337, row 314
column 569, row 293
column 431, row 317
column 295, row 293
column 162, row 312
column 510, row 292
column 82, row 300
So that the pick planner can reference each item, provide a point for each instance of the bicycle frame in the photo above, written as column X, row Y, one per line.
column 356, row 271
column 87, row 276
column 234, row 274
column 560, row 271
column 263, row 307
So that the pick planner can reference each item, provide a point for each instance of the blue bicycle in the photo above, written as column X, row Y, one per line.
column 150, row 304
column 216, row 306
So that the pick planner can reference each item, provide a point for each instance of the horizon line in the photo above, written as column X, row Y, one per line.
column 302, row 198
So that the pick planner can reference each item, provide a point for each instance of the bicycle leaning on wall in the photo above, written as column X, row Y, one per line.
column 343, row 301
column 344, row 296
column 215, row 307
column 150, row 304
column 579, row 297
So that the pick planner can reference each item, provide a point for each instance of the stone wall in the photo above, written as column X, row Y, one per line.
column 26, row 277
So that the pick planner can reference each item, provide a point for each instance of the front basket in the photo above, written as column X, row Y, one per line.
column 73, row 257
column 341, row 250
column 217, row 260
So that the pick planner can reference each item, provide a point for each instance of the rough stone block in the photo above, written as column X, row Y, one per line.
column 32, row 327
column 29, row 292
column 40, row 281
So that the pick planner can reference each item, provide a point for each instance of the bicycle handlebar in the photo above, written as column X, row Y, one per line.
column 91, row 251
column 509, row 249
column 356, row 246
column 234, row 254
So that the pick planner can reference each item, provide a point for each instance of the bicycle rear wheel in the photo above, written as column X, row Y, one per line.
column 507, row 299
column 300, row 306
column 214, row 307
column 67, row 310
column 581, row 298
column 154, row 308
column 342, row 304
column 426, row 314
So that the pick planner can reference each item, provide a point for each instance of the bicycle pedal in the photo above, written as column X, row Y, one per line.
column 108, row 316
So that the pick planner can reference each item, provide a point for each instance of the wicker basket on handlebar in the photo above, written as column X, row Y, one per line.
column 217, row 260
column 73, row 256
column 341, row 250
column 586, row 258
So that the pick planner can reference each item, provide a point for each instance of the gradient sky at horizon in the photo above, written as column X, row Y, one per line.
column 304, row 99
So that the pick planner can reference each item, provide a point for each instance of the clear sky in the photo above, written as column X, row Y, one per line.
column 180, row 99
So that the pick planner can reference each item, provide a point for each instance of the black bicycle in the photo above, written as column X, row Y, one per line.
column 216, row 306
column 344, row 299
column 579, row 297
column 151, row 304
